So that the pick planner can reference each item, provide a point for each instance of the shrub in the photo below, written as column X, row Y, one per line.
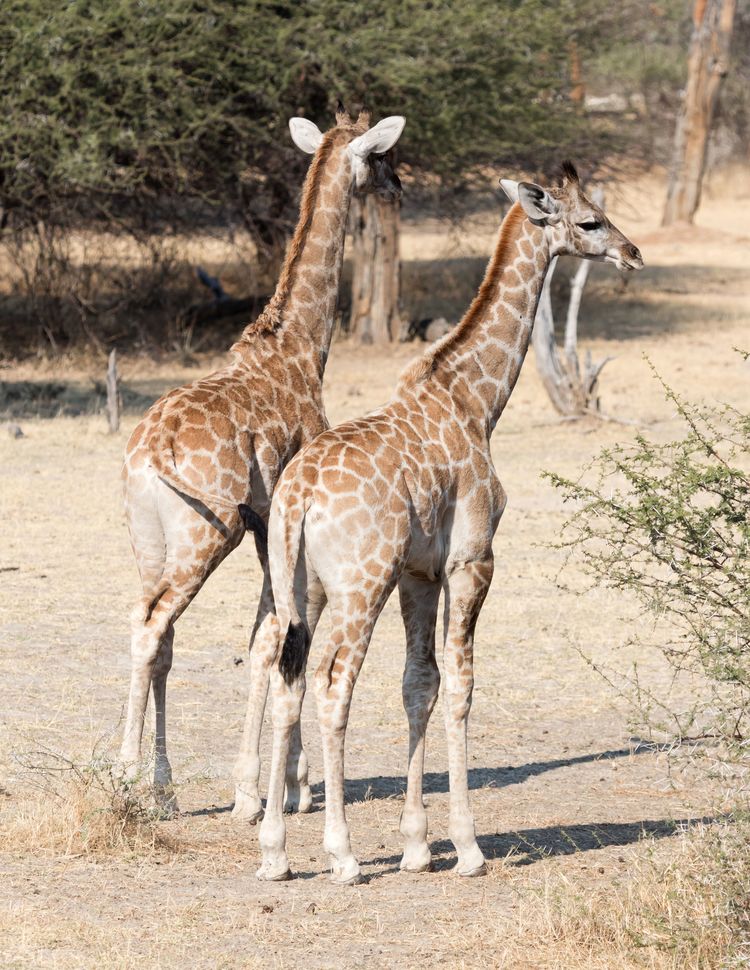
column 669, row 524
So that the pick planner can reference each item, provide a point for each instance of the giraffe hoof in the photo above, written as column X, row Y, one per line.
column 246, row 808
column 473, row 873
column 356, row 880
column 167, row 811
column 299, row 804
column 240, row 814
column 416, row 859
column 417, row 867
column 267, row 875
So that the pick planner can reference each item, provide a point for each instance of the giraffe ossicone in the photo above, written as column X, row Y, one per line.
column 222, row 441
column 408, row 496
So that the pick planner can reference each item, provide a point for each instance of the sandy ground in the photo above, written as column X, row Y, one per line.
column 560, row 787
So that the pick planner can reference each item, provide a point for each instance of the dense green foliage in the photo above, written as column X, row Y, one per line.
column 140, row 116
column 670, row 523
column 128, row 105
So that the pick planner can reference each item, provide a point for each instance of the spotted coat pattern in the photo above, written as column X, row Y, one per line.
column 224, row 440
column 408, row 496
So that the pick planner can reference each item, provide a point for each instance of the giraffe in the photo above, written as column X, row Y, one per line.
column 408, row 496
column 222, row 442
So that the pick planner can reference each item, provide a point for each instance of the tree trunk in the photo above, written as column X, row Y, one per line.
column 376, row 280
column 708, row 63
column 113, row 393
column 577, row 87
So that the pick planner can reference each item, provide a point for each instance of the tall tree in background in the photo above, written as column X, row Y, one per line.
column 150, row 118
column 708, row 63
column 376, row 265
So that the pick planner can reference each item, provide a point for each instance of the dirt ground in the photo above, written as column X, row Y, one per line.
column 561, row 789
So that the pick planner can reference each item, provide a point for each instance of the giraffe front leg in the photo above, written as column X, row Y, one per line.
column 466, row 589
column 421, row 682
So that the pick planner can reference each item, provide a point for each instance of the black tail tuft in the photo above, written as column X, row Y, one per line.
column 294, row 652
column 253, row 523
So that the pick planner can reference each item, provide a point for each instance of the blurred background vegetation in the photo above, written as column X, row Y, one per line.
column 149, row 118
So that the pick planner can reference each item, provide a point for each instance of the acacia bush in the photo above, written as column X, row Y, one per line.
column 670, row 524
column 148, row 118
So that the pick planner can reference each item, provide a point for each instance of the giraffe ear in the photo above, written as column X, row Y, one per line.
column 305, row 134
column 510, row 188
column 379, row 139
column 538, row 204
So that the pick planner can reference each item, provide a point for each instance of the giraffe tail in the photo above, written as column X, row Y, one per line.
column 297, row 640
column 294, row 652
column 254, row 523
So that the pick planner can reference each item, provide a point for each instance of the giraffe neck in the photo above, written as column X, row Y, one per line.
column 301, row 311
column 481, row 358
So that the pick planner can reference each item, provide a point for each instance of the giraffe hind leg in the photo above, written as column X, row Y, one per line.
column 465, row 591
column 164, row 795
column 352, row 623
column 264, row 645
column 288, row 762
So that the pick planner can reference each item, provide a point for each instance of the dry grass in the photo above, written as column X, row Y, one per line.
column 682, row 908
column 687, row 908
column 80, row 807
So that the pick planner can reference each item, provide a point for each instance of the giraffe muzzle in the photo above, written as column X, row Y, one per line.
column 630, row 258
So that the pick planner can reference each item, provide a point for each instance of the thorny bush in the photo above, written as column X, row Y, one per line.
column 669, row 524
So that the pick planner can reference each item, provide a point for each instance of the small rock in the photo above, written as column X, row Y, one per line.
column 266, row 908
column 311, row 908
column 14, row 430
column 238, row 661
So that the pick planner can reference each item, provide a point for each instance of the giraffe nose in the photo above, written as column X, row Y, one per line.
column 633, row 252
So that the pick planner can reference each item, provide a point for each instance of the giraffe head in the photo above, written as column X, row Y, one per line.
column 367, row 148
column 573, row 223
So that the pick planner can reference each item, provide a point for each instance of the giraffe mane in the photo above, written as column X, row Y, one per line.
column 422, row 368
column 270, row 318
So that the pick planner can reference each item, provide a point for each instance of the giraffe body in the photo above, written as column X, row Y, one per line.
column 408, row 496
column 222, row 441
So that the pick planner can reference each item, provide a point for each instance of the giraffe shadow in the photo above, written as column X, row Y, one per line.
column 379, row 787
column 527, row 846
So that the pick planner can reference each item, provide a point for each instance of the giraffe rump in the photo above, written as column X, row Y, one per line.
column 294, row 652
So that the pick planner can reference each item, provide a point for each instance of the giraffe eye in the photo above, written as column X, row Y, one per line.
column 589, row 226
